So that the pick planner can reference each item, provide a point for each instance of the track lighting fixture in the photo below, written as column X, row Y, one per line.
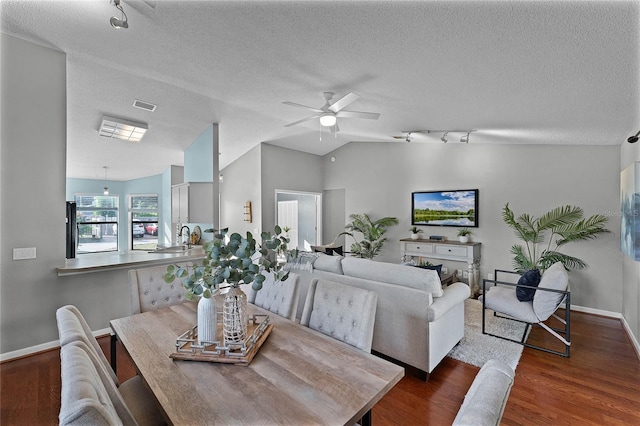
column 444, row 137
column 633, row 139
column 123, row 21
column 465, row 138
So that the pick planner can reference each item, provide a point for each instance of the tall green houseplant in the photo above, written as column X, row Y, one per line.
column 372, row 234
column 545, row 236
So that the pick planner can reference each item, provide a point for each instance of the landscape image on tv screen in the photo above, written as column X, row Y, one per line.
column 445, row 208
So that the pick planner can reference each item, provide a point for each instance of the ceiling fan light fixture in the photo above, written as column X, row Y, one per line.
column 328, row 119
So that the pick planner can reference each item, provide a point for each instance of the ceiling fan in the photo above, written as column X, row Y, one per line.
column 330, row 112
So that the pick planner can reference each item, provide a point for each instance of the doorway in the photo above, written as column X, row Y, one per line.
column 301, row 214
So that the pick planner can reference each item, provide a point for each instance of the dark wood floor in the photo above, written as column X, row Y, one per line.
column 598, row 385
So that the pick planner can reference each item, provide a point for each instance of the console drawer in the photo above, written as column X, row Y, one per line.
column 452, row 250
column 422, row 248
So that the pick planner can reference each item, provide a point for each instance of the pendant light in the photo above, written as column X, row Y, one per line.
column 106, row 188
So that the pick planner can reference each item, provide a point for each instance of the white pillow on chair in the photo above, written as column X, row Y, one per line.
column 545, row 303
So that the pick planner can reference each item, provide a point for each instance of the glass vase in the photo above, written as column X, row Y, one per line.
column 234, row 317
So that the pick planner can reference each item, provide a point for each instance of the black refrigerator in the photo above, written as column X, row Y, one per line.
column 72, row 230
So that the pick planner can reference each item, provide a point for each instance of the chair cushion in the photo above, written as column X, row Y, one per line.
column 545, row 303
column 531, row 278
column 141, row 402
column 503, row 299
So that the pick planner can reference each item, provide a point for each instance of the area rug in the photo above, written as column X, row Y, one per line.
column 476, row 348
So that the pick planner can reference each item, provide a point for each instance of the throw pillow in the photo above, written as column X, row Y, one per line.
column 437, row 268
column 531, row 278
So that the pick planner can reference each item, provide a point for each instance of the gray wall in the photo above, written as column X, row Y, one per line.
column 532, row 178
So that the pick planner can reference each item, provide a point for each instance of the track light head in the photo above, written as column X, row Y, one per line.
column 634, row 139
column 465, row 138
column 444, row 137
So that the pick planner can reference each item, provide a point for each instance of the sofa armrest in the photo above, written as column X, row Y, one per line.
column 454, row 294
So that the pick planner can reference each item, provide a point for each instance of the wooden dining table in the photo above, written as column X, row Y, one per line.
column 298, row 376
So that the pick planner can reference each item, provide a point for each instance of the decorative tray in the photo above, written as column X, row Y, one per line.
column 190, row 349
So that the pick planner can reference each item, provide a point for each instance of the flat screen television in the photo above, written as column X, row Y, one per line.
column 445, row 208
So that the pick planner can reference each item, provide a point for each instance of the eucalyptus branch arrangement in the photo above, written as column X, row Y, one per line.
column 240, row 260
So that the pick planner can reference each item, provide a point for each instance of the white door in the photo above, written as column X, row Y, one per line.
column 288, row 217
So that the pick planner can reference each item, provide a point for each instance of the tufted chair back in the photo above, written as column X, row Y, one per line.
column 341, row 311
column 279, row 297
column 73, row 327
column 149, row 291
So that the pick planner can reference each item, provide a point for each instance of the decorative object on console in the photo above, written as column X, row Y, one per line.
column 464, row 234
column 415, row 232
column 445, row 208
column 241, row 260
column 247, row 212
column 372, row 234
column 425, row 264
column 565, row 224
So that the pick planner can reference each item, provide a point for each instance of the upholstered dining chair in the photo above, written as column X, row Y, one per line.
column 90, row 397
column 550, row 293
column 148, row 290
column 73, row 329
column 341, row 311
column 279, row 297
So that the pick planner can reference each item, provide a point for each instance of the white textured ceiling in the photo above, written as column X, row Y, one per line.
column 563, row 72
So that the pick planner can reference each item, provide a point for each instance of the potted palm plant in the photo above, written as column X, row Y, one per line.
column 545, row 236
column 372, row 234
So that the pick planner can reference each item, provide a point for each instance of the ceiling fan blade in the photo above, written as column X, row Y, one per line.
column 358, row 114
column 301, row 121
column 293, row 104
column 343, row 101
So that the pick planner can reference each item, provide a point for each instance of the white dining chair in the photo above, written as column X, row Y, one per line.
column 72, row 327
column 279, row 297
column 341, row 311
column 90, row 397
column 148, row 291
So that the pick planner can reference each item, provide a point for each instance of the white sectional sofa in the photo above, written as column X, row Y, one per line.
column 417, row 321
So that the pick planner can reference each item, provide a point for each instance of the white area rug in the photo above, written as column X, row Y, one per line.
column 476, row 348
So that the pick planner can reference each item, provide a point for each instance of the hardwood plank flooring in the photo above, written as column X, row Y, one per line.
column 598, row 385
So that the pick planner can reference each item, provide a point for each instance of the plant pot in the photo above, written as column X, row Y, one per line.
column 464, row 239
column 207, row 320
column 234, row 317
column 415, row 236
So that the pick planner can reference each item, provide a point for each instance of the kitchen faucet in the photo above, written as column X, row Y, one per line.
column 188, row 235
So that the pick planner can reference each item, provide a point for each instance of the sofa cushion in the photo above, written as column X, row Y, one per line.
column 546, row 303
column 328, row 263
column 421, row 279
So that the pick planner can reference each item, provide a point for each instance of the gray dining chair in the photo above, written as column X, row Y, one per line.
column 148, row 291
column 341, row 311
column 73, row 328
column 90, row 397
column 279, row 297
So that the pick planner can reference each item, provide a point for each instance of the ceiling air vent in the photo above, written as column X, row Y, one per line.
column 119, row 128
column 147, row 106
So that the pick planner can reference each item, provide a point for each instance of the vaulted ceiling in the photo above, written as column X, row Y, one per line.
column 545, row 72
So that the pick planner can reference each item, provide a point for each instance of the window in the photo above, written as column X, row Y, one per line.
column 143, row 210
column 97, row 221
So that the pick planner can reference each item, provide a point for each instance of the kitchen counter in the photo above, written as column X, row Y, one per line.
column 98, row 262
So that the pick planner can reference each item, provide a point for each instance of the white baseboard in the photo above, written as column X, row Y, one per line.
column 42, row 347
column 596, row 311
column 633, row 339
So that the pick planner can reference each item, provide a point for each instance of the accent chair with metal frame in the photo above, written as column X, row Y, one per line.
column 550, row 294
